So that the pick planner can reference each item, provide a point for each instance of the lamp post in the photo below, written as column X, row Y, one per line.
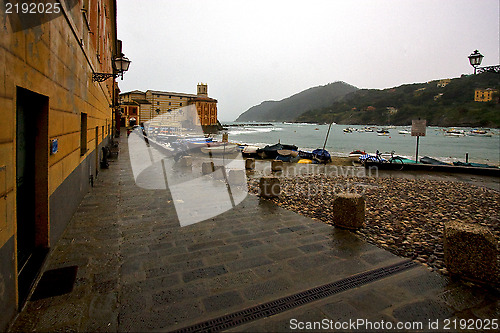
column 475, row 59
column 120, row 66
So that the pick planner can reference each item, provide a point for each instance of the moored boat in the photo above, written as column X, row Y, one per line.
column 454, row 133
column 383, row 132
column 476, row 132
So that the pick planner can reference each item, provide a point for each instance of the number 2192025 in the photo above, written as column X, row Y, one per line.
column 33, row 8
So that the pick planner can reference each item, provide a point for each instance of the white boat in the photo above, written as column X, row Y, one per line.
column 250, row 149
column 454, row 133
column 477, row 132
column 404, row 132
column 383, row 132
column 219, row 149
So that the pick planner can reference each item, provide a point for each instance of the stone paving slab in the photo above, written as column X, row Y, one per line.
column 411, row 297
column 139, row 270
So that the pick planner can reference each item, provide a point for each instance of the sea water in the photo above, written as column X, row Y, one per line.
column 311, row 136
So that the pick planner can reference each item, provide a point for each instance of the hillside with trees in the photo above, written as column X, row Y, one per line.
column 449, row 105
column 290, row 108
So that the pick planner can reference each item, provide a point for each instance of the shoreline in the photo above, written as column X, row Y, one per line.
column 403, row 216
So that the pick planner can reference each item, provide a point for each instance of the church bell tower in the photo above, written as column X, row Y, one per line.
column 202, row 89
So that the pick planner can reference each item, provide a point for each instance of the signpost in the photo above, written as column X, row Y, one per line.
column 418, row 129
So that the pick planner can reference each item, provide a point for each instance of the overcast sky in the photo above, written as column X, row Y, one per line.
column 250, row 51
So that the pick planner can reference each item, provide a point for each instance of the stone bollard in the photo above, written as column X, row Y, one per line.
column 186, row 161
column 269, row 187
column 250, row 163
column 276, row 165
column 471, row 251
column 236, row 177
column 219, row 172
column 207, row 167
column 348, row 210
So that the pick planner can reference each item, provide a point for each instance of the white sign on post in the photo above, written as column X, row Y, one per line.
column 418, row 127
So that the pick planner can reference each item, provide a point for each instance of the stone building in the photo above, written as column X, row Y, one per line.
column 55, row 118
column 152, row 103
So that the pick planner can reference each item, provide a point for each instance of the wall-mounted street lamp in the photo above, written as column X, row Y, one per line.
column 475, row 61
column 120, row 65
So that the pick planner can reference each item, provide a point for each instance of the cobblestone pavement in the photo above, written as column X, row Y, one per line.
column 138, row 270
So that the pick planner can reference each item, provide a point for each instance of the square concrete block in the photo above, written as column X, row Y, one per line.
column 269, row 187
column 207, row 168
column 349, row 210
column 276, row 165
column 471, row 251
column 250, row 163
column 186, row 161
column 236, row 177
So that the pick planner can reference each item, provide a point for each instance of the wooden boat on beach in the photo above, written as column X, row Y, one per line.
column 355, row 155
column 271, row 151
column 224, row 148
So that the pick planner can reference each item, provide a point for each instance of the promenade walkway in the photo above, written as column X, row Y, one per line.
column 138, row 270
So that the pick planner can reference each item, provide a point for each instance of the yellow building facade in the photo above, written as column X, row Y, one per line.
column 153, row 103
column 484, row 95
column 55, row 120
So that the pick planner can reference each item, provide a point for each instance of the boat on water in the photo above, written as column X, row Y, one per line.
column 355, row 155
column 454, row 133
column 348, row 130
column 383, row 132
column 404, row 132
column 476, row 132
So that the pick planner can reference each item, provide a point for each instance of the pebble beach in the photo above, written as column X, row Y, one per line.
column 404, row 216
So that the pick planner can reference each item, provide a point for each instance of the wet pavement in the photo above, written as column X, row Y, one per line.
column 138, row 270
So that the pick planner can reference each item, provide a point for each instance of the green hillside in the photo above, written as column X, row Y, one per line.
column 452, row 105
column 290, row 108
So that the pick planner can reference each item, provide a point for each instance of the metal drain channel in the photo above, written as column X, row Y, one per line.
column 295, row 300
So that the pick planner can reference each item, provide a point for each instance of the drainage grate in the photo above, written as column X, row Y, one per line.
column 296, row 300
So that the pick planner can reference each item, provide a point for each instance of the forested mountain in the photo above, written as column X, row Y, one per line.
column 290, row 108
column 449, row 105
